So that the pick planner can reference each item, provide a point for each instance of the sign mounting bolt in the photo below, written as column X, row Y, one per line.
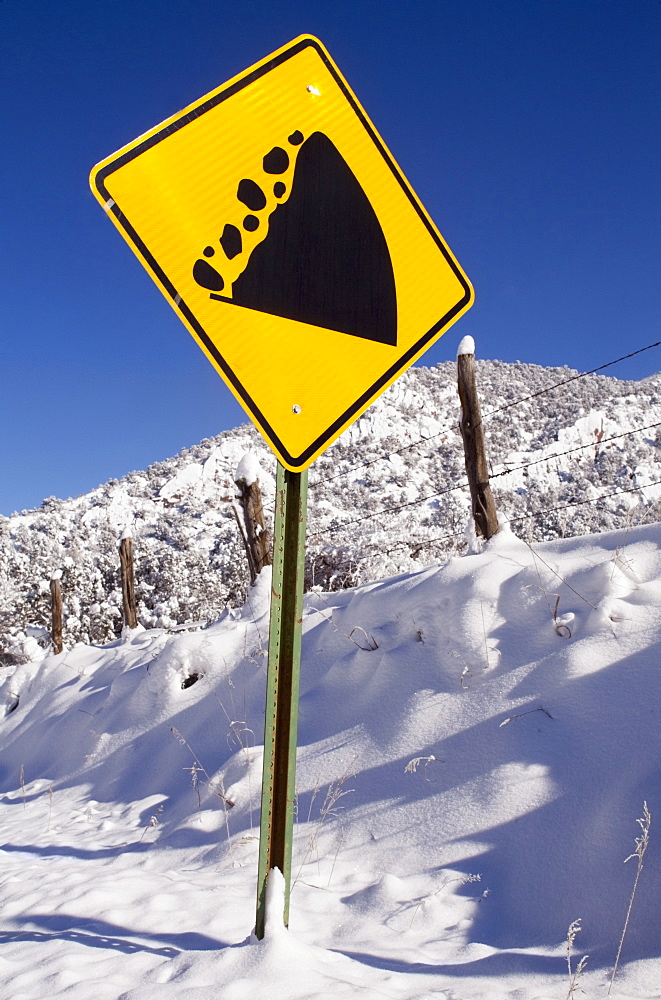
column 313, row 90
column 296, row 408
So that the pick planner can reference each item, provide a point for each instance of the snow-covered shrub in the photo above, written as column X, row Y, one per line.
column 388, row 497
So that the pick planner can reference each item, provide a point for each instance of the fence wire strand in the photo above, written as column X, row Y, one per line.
column 423, row 543
column 499, row 409
column 573, row 378
column 495, row 475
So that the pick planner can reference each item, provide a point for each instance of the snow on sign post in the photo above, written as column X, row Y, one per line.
column 282, row 232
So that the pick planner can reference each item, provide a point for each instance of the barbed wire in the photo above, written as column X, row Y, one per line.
column 573, row 378
column 505, row 406
column 580, row 447
column 385, row 458
column 579, row 503
column 495, row 475
column 423, row 543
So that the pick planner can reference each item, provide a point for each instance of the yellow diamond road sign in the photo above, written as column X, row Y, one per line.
column 280, row 229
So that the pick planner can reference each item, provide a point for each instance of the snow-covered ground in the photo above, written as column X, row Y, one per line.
column 476, row 742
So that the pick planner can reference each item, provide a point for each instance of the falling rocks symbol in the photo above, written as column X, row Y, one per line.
column 325, row 260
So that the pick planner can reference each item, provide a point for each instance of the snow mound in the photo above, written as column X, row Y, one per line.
column 476, row 741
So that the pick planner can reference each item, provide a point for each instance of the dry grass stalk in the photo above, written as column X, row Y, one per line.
column 328, row 810
column 641, row 842
column 574, row 976
column 216, row 786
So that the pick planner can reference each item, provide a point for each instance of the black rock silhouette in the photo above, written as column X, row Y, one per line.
column 251, row 195
column 277, row 161
column 231, row 241
column 325, row 260
column 207, row 276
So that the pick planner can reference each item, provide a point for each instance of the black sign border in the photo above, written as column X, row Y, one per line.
column 301, row 461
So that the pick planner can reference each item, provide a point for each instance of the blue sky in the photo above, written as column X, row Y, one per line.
column 528, row 128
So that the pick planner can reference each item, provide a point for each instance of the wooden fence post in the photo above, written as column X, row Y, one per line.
column 472, row 433
column 56, row 611
column 242, row 532
column 128, row 580
column 256, row 535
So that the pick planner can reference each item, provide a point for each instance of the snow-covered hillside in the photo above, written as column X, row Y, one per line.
column 477, row 741
column 386, row 498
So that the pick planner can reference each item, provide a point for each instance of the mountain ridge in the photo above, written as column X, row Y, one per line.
column 386, row 498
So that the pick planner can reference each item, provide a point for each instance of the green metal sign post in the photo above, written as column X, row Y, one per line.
column 282, row 685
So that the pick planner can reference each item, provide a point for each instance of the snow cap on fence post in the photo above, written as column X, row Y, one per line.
column 248, row 469
column 466, row 346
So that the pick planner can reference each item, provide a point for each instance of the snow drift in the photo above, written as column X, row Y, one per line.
column 476, row 742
